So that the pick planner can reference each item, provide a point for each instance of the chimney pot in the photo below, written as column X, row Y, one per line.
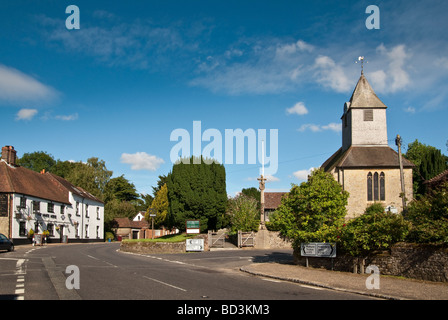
column 9, row 155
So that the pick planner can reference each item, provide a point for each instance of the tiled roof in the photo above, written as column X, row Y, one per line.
column 127, row 223
column 364, row 97
column 16, row 179
column 273, row 199
column 438, row 178
column 365, row 157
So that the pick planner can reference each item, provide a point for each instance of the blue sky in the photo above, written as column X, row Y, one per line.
column 137, row 70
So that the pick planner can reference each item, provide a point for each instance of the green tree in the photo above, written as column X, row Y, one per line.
column 160, row 182
column 254, row 193
column 429, row 162
column 373, row 230
column 429, row 217
column 121, row 189
column 92, row 176
column 115, row 209
column 311, row 211
column 244, row 213
column 161, row 205
column 37, row 161
column 197, row 191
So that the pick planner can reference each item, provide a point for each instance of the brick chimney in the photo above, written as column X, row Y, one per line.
column 9, row 155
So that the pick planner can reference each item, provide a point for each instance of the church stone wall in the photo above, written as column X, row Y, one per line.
column 354, row 181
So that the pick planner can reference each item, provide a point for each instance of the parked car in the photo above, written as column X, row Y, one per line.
column 6, row 243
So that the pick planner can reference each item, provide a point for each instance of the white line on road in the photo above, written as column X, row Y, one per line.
column 164, row 283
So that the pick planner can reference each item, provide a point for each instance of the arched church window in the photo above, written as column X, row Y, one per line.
column 369, row 187
column 375, row 187
column 382, row 187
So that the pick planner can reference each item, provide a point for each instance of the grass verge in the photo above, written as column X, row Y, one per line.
column 168, row 238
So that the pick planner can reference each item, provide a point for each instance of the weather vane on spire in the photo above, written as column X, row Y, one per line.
column 361, row 60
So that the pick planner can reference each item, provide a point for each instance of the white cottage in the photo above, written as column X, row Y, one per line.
column 44, row 201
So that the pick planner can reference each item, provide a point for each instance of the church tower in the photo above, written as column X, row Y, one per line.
column 364, row 118
column 365, row 165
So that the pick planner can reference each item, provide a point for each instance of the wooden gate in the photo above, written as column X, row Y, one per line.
column 246, row 239
column 216, row 239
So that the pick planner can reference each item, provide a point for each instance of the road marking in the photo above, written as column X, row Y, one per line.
column 271, row 280
column 311, row 287
column 164, row 283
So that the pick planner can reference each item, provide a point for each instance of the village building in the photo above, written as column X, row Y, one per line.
column 138, row 228
column 365, row 165
column 272, row 201
column 42, row 201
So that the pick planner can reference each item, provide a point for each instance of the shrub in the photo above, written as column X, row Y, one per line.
column 374, row 230
column 429, row 217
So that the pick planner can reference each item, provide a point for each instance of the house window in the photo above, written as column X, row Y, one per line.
column 97, row 231
column 98, row 213
column 368, row 115
column 36, row 206
column 22, row 202
column 87, row 230
column 77, row 208
column 376, row 186
column 22, row 229
column 50, row 207
column 62, row 209
column 87, row 210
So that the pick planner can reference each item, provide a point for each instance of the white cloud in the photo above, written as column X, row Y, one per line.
column 17, row 87
column 26, row 114
column 391, row 77
column 142, row 161
column 336, row 127
column 299, row 108
column 331, row 75
column 410, row 110
column 303, row 174
column 70, row 117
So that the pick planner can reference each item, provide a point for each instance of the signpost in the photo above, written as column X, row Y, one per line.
column 194, row 244
column 192, row 226
column 318, row 249
column 152, row 215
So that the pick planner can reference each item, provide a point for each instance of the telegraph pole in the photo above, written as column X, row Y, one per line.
column 403, row 194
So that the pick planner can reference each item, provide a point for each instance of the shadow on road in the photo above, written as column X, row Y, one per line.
column 279, row 257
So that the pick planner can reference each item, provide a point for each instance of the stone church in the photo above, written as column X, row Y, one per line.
column 365, row 165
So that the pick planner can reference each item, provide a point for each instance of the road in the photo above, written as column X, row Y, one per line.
column 105, row 273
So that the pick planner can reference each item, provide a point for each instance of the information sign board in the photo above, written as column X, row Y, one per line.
column 194, row 244
column 318, row 249
column 192, row 226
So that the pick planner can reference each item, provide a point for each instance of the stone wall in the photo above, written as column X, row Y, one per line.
column 147, row 247
column 266, row 239
column 417, row 261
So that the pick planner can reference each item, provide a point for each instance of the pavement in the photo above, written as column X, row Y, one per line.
column 391, row 288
